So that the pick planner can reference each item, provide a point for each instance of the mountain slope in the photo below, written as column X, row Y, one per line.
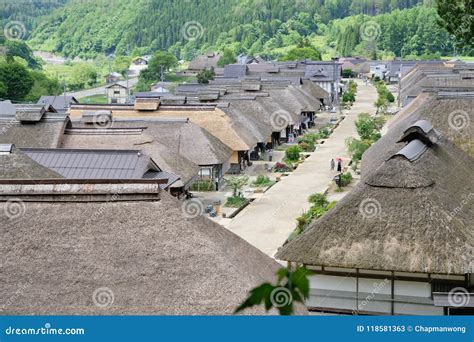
column 85, row 28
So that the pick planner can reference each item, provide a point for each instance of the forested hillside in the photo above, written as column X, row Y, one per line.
column 185, row 27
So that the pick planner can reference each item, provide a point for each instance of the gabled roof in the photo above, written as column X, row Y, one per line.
column 168, row 161
column 134, row 244
column 115, row 84
column 57, row 102
column 204, row 62
column 94, row 164
column 408, row 214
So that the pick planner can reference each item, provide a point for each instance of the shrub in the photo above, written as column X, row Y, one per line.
column 281, row 167
column 293, row 153
column 235, row 202
column 324, row 133
column 318, row 199
column 346, row 178
column 262, row 181
column 202, row 185
column 307, row 146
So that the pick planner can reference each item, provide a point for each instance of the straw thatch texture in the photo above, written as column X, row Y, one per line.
column 152, row 258
column 214, row 120
column 442, row 113
column 17, row 165
column 404, row 216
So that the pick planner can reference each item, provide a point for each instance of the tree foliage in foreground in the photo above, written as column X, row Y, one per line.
column 457, row 16
column 291, row 287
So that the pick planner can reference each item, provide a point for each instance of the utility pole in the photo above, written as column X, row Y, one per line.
column 64, row 91
column 128, row 88
column 161, row 74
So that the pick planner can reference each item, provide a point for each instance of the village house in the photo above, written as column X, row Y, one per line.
column 31, row 125
column 399, row 242
column 120, row 248
column 116, row 93
column 100, row 164
column 141, row 60
column 202, row 62
column 112, row 77
column 208, row 117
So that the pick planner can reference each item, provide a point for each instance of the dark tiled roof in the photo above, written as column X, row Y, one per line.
column 58, row 102
column 235, row 70
column 93, row 164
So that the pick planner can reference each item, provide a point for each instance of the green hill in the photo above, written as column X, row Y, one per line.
column 86, row 28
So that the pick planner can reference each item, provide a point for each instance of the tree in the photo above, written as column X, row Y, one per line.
column 237, row 183
column 302, row 53
column 228, row 57
column 356, row 148
column 42, row 85
column 457, row 18
column 291, row 287
column 381, row 104
column 160, row 62
column 369, row 127
column 121, row 64
column 205, row 75
column 82, row 75
column 16, row 79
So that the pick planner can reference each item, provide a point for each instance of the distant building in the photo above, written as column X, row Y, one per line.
column 142, row 60
column 202, row 62
column 113, row 77
column 378, row 69
column 116, row 93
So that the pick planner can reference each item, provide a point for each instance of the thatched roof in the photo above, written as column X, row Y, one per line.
column 45, row 131
column 204, row 62
column 184, row 138
column 212, row 119
column 411, row 215
column 446, row 114
column 134, row 243
column 166, row 160
column 150, row 104
column 17, row 165
column 316, row 91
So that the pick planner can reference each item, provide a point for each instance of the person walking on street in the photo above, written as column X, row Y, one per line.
column 216, row 180
column 333, row 164
column 339, row 165
column 270, row 155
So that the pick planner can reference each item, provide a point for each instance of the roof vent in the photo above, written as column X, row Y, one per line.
column 99, row 117
column 413, row 150
column 6, row 149
column 421, row 130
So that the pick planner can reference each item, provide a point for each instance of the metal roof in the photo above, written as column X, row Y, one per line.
column 413, row 150
column 94, row 164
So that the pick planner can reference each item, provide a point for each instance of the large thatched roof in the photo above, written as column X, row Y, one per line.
column 135, row 244
column 166, row 159
column 453, row 117
column 412, row 215
column 186, row 139
column 212, row 119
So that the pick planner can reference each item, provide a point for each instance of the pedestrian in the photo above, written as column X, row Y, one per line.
column 339, row 165
column 217, row 183
column 270, row 155
column 333, row 164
